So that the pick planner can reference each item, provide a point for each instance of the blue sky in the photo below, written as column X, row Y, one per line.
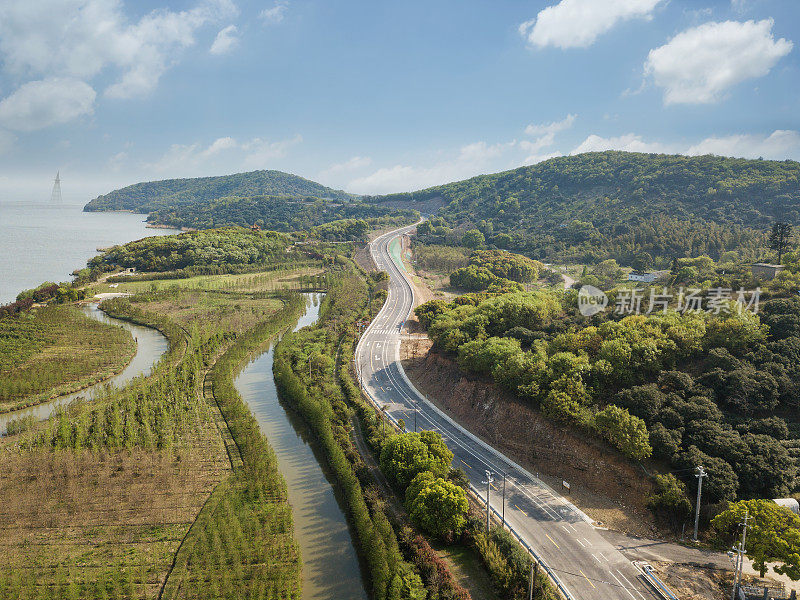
column 377, row 97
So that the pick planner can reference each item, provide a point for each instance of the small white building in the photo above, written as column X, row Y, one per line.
column 791, row 503
column 643, row 277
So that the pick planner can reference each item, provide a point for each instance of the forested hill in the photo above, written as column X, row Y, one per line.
column 172, row 194
column 606, row 204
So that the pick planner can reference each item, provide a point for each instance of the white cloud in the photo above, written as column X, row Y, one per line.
column 578, row 23
column 554, row 127
column 470, row 160
column 225, row 153
column 220, row 145
column 353, row 164
column 115, row 162
column 83, row 38
column 225, row 41
column 779, row 145
column 261, row 153
column 629, row 142
column 700, row 64
column 545, row 136
column 276, row 13
column 40, row 104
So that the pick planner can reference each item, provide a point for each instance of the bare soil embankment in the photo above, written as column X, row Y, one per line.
column 604, row 485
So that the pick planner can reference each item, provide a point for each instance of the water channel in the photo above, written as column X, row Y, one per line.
column 330, row 565
column 150, row 346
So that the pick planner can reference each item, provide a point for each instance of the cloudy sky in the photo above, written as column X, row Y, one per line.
column 377, row 97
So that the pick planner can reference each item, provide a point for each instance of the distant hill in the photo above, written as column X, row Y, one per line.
column 616, row 204
column 278, row 213
column 176, row 193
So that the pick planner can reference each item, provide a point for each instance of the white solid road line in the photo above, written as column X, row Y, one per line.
column 386, row 384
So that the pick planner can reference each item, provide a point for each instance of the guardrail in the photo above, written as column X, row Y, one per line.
column 561, row 588
column 650, row 577
column 550, row 573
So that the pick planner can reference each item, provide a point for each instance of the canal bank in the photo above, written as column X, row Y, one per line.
column 331, row 570
column 150, row 347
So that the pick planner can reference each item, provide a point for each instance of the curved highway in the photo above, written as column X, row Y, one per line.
column 584, row 564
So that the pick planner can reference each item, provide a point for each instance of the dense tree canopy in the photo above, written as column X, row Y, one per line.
column 692, row 388
column 231, row 245
column 773, row 534
column 407, row 455
column 621, row 205
column 154, row 195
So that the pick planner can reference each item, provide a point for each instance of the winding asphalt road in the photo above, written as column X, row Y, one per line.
column 584, row 564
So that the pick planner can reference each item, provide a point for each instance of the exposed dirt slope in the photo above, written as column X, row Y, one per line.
column 607, row 487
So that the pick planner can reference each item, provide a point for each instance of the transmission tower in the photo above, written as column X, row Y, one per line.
column 55, row 197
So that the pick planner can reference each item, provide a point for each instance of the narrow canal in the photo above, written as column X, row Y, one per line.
column 330, row 566
column 150, row 346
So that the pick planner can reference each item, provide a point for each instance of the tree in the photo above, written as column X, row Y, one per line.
column 440, row 508
column 669, row 499
column 473, row 239
column 407, row 454
column 773, row 534
column 780, row 238
column 624, row 431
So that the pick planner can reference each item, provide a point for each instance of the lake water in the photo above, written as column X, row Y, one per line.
column 41, row 242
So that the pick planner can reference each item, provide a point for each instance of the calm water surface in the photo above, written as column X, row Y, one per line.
column 150, row 346
column 330, row 565
column 40, row 242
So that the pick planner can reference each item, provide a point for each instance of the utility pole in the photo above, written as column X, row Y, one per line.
column 534, row 573
column 700, row 474
column 488, row 488
column 737, row 573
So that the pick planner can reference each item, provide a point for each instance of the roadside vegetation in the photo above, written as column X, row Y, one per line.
column 54, row 350
column 691, row 388
column 312, row 369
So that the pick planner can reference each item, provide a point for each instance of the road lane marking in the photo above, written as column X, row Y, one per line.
column 587, row 541
column 581, row 543
column 554, row 542
column 540, row 497
column 633, row 587
column 520, row 510
column 622, row 585
column 587, row 579
column 597, row 559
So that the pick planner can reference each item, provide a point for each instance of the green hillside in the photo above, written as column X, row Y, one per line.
column 615, row 204
column 278, row 213
column 171, row 194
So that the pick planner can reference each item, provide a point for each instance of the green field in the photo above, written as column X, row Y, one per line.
column 101, row 498
column 55, row 350
column 241, row 282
